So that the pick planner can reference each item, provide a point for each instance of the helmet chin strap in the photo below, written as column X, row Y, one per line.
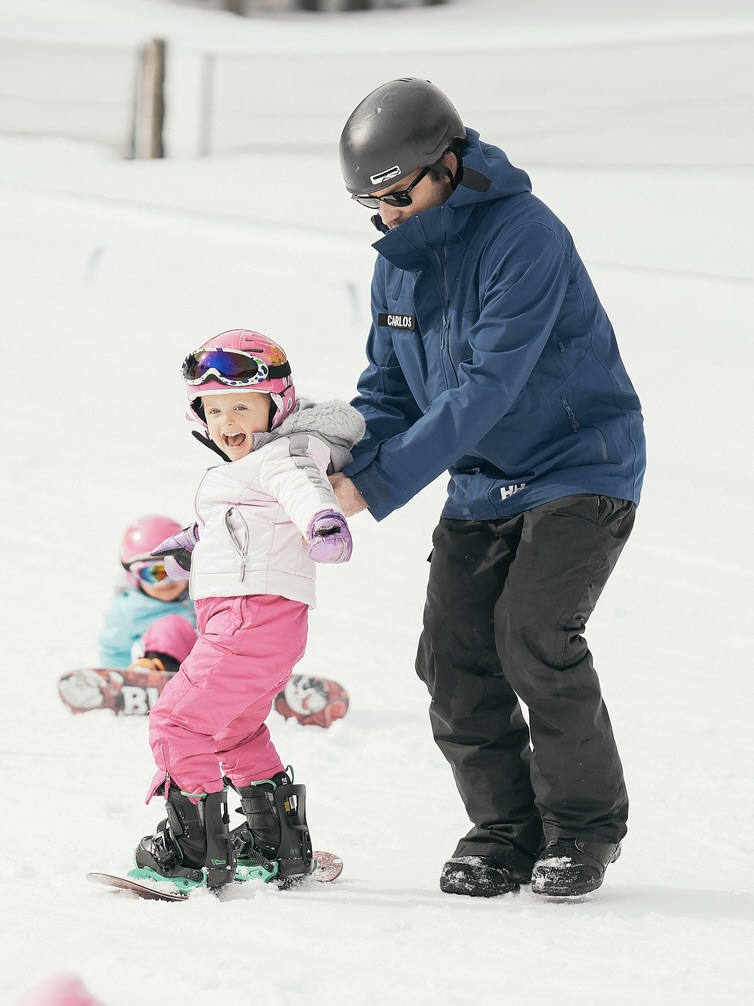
column 380, row 224
column 209, row 443
column 454, row 179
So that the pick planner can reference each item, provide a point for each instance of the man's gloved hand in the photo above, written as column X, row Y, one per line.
column 329, row 538
column 176, row 551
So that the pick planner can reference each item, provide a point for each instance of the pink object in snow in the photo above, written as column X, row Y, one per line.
column 58, row 990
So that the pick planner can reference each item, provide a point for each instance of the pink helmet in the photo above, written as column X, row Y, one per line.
column 239, row 360
column 142, row 536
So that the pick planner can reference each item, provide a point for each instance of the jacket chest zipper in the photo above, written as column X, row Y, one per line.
column 575, row 424
column 445, row 353
column 241, row 547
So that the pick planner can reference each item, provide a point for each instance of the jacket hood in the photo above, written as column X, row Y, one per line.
column 487, row 175
column 335, row 422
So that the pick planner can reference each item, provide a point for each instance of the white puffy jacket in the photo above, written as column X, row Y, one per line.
column 253, row 513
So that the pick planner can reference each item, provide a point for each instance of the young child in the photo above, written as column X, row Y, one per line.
column 263, row 520
column 151, row 620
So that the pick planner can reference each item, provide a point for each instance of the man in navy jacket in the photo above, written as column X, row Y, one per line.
column 490, row 356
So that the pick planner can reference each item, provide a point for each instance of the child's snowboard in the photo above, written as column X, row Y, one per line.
column 162, row 892
column 133, row 691
column 329, row 867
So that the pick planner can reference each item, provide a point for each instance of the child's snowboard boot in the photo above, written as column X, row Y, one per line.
column 276, row 833
column 192, row 845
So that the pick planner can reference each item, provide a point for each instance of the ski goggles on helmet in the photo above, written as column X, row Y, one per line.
column 149, row 572
column 400, row 198
column 233, row 367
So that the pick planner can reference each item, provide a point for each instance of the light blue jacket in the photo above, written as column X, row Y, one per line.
column 130, row 615
column 491, row 356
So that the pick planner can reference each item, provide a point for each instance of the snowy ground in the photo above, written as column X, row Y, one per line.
column 112, row 270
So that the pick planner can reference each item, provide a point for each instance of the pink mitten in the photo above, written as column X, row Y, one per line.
column 329, row 538
column 176, row 551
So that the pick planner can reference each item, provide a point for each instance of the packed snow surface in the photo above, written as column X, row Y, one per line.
column 634, row 122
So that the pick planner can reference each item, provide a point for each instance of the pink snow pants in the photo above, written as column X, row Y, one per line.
column 210, row 719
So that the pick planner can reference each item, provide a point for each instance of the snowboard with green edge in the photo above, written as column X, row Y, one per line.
column 144, row 882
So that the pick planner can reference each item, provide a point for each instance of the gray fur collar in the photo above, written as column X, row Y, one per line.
column 338, row 424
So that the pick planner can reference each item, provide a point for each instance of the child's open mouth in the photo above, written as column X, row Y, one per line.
column 235, row 440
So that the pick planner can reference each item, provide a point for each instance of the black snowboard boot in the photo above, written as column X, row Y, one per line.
column 479, row 877
column 276, row 830
column 570, row 867
column 192, row 844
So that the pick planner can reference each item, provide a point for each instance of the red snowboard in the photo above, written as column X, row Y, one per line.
column 315, row 702
column 133, row 692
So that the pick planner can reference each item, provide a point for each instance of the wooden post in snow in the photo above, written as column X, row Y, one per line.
column 150, row 102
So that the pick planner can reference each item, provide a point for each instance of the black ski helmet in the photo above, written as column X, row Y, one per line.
column 404, row 125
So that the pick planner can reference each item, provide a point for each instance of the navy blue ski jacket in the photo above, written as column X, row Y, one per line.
column 491, row 356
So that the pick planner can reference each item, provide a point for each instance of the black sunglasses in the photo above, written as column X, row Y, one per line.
column 401, row 198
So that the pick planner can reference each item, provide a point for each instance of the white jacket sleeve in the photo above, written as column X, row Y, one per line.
column 294, row 472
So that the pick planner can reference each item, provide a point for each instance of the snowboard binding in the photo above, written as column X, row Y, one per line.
column 191, row 847
column 274, row 843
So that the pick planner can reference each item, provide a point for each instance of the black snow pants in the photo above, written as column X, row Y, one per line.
column 507, row 603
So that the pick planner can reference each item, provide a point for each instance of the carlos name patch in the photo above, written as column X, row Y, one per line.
column 406, row 321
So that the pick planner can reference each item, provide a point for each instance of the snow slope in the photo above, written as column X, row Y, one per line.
column 112, row 270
